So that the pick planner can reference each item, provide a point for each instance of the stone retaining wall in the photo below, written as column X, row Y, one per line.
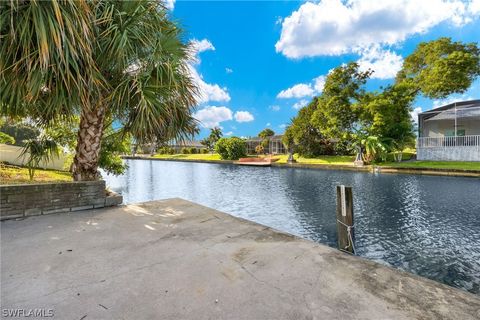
column 18, row 201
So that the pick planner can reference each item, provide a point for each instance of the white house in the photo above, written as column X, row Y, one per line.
column 450, row 132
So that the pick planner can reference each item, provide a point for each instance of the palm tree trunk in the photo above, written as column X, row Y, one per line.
column 85, row 163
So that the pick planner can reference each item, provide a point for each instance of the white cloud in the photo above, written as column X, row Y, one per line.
column 282, row 126
column 297, row 91
column 211, row 116
column 385, row 63
column 474, row 7
column 243, row 116
column 268, row 124
column 228, row 70
column 319, row 83
column 300, row 104
column 229, row 133
column 169, row 4
column 334, row 27
column 303, row 90
column 458, row 98
column 274, row 108
column 202, row 45
column 207, row 91
column 414, row 114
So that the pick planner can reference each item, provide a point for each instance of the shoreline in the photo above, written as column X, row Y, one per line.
column 368, row 168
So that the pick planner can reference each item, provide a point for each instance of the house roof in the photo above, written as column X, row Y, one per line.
column 460, row 110
column 187, row 143
column 272, row 138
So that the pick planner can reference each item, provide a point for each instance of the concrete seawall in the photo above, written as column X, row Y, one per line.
column 22, row 200
column 174, row 259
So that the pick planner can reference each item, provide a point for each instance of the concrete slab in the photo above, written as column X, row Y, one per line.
column 174, row 259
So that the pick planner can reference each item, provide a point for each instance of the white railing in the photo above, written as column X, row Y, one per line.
column 464, row 141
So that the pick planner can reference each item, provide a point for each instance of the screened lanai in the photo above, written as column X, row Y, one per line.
column 451, row 132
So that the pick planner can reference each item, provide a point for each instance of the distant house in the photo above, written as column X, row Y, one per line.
column 450, row 132
column 179, row 145
column 275, row 145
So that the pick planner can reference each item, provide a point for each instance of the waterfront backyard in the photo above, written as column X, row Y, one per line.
column 427, row 225
column 175, row 259
column 163, row 159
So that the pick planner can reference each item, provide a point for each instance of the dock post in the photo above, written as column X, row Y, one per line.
column 344, row 215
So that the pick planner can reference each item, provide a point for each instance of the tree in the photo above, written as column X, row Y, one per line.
column 114, row 143
column 38, row 150
column 125, row 61
column 336, row 116
column 19, row 131
column 265, row 134
column 306, row 138
column 259, row 149
column 231, row 148
column 441, row 67
column 211, row 140
column 386, row 115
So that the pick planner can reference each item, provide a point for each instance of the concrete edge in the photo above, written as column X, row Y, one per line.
column 311, row 242
column 430, row 171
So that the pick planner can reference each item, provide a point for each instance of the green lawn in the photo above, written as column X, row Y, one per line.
column 457, row 165
column 208, row 156
column 325, row 160
column 340, row 160
column 17, row 175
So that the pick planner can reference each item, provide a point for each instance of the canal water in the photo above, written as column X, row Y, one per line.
column 428, row 225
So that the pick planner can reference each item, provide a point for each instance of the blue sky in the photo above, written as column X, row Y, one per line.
column 258, row 62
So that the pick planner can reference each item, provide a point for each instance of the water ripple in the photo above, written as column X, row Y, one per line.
column 423, row 224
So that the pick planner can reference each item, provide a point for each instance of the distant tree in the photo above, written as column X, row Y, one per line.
column 210, row 141
column 265, row 133
column 259, row 149
column 441, row 67
column 19, row 131
column 231, row 148
column 305, row 137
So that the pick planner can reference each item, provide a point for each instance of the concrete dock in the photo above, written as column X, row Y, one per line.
column 174, row 259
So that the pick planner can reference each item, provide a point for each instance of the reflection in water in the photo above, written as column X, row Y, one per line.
column 424, row 224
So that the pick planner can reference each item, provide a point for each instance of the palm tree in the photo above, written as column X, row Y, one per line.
column 37, row 151
column 118, row 60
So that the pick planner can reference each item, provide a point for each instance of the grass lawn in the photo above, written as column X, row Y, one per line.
column 458, row 165
column 325, row 160
column 17, row 175
column 206, row 156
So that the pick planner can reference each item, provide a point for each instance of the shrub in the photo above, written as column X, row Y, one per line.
column 259, row 149
column 193, row 150
column 204, row 150
column 6, row 139
column 185, row 150
column 231, row 148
